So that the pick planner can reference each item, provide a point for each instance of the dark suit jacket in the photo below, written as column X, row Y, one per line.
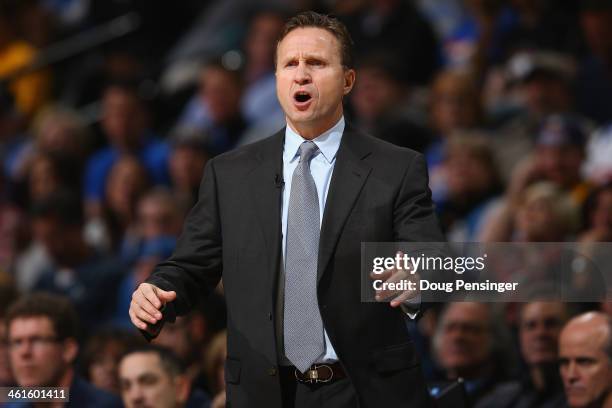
column 378, row 192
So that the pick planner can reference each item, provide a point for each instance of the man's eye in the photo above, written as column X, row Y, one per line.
column 291, row 64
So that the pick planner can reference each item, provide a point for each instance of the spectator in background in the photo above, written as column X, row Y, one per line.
column 126, row 183
column 585, row 356
column 598, row 215
column 380, row 101
column 55, row 130
column 153, row 376
column 469, row 189
column 538, row 85
column 158, row 215
column 543, row 213
column 100, row 358
column 42, row 333
column 454, row 106
column 86, row 277
column 125, row 124
column 559, row 155
column 594, row 79
column 540, row 323
column 557, row 159
column 216, row 355
column 8, row 294
column 465, row 347
column 187, row 161
column 50, row 172
column 259, row 102
column 215, row 110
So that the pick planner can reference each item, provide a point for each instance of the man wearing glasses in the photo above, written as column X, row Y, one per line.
column 42, row 346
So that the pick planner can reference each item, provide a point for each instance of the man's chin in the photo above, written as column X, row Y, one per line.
column 31, row 382
column 141, row 405
column 577, row 399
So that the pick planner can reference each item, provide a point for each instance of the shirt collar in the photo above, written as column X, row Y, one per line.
column 328, row 142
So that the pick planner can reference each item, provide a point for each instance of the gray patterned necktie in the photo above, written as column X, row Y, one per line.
column 303, row 327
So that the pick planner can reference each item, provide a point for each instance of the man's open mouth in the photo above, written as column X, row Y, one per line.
column 302, row 96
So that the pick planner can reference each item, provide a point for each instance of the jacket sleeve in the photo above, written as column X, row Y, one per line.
column 416, row 224
column 195, row 267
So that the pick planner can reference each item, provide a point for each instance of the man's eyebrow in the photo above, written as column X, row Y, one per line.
column 305, row 56
column 146, row 376
column 585, row 359
column 317, row 56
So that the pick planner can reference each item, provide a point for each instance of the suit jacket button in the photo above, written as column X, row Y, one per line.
column 272, row 371
column 269, row 316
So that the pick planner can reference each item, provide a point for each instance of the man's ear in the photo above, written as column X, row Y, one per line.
column 183, row 388
column 70, row 350
column 349, row 80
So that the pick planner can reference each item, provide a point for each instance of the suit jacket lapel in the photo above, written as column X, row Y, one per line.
column 350, row 174
column 265, row 185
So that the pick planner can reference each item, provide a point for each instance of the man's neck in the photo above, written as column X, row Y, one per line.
column 545, row 376
column 312, row 131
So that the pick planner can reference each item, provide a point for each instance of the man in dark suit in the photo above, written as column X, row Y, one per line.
column 282, row 221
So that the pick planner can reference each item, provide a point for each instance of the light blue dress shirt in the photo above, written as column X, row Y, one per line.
column 321, row 168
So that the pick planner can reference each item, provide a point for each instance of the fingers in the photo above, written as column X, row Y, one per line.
column 145, row 305
column 403, row 270
column 136, row 321
column 150, row 294
column 383, row 275
column 404, row 267
column 397, row 277
column 165, row 296
column 404, row 296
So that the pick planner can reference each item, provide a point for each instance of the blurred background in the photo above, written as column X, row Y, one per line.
column 110, row 109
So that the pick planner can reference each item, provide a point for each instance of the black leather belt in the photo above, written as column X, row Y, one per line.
column 317, row 373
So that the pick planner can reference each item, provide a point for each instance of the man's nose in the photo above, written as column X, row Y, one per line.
column 136, row 396
column 572, row 372
column 302, row 74
column 25, row 349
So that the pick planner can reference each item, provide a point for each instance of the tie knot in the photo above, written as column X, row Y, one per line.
column 307, row 151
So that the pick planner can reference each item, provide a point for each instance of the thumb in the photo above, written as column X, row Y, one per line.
column 166, row 296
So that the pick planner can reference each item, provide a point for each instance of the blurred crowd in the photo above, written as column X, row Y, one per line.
column 103, row 145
